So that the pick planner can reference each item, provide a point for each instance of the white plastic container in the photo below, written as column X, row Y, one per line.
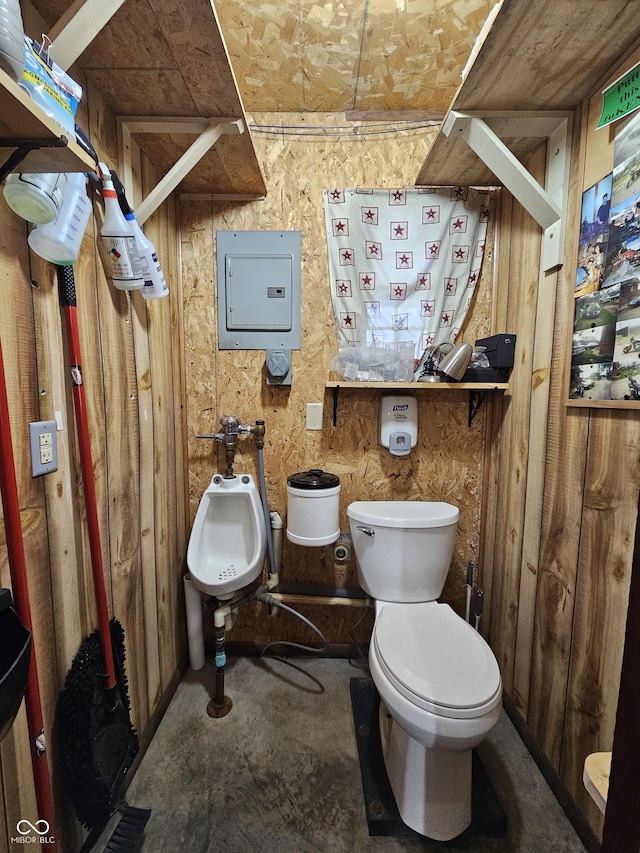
column 313, row 508
column 35, row 197
column 11, row 39
column 398, row 423
column 125, row 267
column 59, row 241
column 155, row 286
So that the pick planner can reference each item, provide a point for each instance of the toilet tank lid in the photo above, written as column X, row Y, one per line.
column 404, row 513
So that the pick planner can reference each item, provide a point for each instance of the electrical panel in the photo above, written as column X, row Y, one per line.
column 259, row 289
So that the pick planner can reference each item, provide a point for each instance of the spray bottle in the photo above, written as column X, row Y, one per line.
column 119, row 239
column 155, row 286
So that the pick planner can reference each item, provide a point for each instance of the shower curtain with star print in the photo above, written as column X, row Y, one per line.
column 403, row 264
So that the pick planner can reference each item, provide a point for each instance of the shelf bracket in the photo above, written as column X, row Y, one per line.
column 24, row 147
column 476, row 399
column 548, row 204
column 209, row 130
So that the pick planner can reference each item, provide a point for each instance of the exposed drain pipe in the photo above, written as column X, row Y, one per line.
column 277, row 528
column 195, row 630
column 223, row 619
column 258, row 433
column 220, row 705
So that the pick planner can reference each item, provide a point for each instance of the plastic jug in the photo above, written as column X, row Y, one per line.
column 35, row 197
column 59, row 241
column 11, row 39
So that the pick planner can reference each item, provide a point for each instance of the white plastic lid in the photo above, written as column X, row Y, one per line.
column 435, row 658
column 30, row 203
column 404, row 513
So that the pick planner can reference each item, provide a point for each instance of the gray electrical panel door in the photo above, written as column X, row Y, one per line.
column 258, row 289
column 259, row 292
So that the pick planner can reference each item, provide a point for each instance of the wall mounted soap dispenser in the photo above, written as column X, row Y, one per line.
column 398, row 423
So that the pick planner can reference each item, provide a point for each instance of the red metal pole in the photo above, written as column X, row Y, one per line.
column 66, row 283
column 20, row 589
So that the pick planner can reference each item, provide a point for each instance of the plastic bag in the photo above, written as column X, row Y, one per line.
column 50, row 87
column 478, row 358
column 373, row 364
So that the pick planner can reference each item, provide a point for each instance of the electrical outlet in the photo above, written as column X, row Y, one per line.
column 44, row 447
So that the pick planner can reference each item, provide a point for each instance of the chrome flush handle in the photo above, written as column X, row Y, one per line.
column 367, row 531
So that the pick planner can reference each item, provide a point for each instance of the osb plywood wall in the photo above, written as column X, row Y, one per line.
column 132, row 380
column 446, row 465
column 563, row 503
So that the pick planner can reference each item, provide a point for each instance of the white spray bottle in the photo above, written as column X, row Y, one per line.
column 119, row 240
column 155, row 285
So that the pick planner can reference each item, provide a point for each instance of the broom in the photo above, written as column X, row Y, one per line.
column 97, row 740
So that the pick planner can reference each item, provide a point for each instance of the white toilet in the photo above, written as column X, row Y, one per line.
column 438, row 680
column 228, row 540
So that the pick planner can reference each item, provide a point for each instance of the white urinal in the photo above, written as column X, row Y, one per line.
column 228, row 540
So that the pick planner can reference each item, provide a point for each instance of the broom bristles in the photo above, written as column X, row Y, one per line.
column 97, row 744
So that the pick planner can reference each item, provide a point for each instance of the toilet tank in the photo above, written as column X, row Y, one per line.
column 403, row 548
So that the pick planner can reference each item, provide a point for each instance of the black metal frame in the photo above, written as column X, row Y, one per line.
column 24, row 147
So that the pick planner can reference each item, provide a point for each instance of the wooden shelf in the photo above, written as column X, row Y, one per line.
column 477, row 391
column 423, row 386
column 538, row 56
column 155, row 59
column 21, row 119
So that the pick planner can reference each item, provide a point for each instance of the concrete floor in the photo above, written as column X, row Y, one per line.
column 281, row 772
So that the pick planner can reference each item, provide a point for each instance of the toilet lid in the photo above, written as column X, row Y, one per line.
column 436, row 659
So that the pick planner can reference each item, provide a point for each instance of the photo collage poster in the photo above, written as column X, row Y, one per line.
column 605, row 360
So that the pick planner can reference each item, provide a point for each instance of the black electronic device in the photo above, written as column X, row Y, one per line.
column 499, row 349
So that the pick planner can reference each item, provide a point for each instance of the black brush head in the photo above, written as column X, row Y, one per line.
column 96, row 741
column 128, row 835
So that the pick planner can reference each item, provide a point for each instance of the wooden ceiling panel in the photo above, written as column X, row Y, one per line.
column 226, row 168
column 301, row 55
column 192, row 33
column 158, row 58
column 538, row 55
column 144, row 92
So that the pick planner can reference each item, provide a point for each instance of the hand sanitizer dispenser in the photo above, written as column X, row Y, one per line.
column 398, row 423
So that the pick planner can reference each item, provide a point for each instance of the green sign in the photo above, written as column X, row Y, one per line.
column 621, row 98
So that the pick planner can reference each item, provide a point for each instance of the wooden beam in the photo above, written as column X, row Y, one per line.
column 221, row 197
column 210, row 131
column 546, row 204
column 78, row 27
column 394, row 116
column 174, row 124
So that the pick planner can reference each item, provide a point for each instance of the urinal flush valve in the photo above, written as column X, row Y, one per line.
column 232, row 429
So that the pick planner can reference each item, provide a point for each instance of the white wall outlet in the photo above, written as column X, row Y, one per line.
column 44, row 447
column 314, row 415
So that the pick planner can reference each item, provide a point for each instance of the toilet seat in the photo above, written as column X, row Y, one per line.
column 436, row 660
